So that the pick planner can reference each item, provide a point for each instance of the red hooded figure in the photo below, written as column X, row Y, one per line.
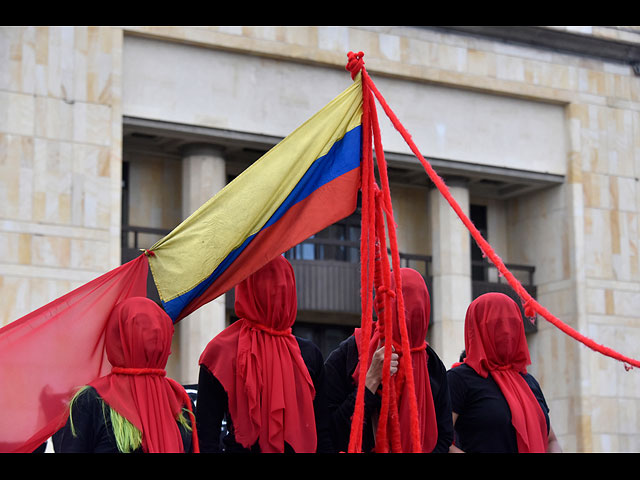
column 417, row 312
column 138, row 343
column 495, row 344
column 258, row 362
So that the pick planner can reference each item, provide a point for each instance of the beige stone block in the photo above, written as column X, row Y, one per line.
column 626, row 303
column 17, row 113
column 598, row 245
column 605, row 443
column 301, row 36
column 362, row 41
column 86, row 158
column 333, row 38
column 624, row 191
column 64, row 208
column 604, row 415
column 629, row 443
column 481, row 63
column 556, row 76
column 411, row 214
column 92, row 124
column 596, row 300
column 16, row 182
column 451, row 58
column 625, row 255
column 42, row 45
column 6, row 38
column 54, row 74
column 231, row 30
column 16, row 151
column 390, row 47
column 629, row 412
column 52, row 156
column 89, row 254
column 559, row 415
column 15, row 248
column 262, row 32
column 17, row 289
column 420, row 53
column 510, row 68
column 596, row 189
column 51, row 251
column 54, row 119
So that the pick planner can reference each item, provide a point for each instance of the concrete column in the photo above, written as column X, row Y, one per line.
column 451, row 271
column 203, row 175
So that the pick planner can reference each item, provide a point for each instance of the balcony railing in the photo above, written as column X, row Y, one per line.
column 328, row 272
column 487, row 279
column 132, row 243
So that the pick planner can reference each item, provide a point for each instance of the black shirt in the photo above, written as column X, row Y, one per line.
column 212, row 408
column 484, row 418
column 341, row 393
column 94, row 432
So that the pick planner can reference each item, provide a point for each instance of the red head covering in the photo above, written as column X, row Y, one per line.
column 258, row 362
column 417, row 312
column 138, row 344
column 495, row 343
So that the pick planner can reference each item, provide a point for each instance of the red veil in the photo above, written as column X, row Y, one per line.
column 495, row 343
column 258, row 362
column 138, row 344
column 417, row 312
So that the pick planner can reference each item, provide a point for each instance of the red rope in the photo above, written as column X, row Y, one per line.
column 367, row 235
column 385, row 326
column 531, row 306
column 374, row 203
column 395, row 260
column 268, row 330
column 138, row 371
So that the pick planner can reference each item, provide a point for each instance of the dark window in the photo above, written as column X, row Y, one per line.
column 478, row 215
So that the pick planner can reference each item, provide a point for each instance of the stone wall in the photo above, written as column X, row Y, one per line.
column 60, row 161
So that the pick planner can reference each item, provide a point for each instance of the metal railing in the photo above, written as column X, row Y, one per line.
column 328, row 271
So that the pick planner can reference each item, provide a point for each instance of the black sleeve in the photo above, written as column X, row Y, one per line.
column 441, row 401
column 456, row 391
column 315, row 364
column 91, row 427
column 210, row 411
column 341, row 395
column 537, row 392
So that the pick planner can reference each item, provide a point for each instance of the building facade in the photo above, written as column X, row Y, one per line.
column 110, row 136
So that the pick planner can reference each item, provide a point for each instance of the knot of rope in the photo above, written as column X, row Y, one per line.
column 355, row 63
column 529, row 308
column 148, row 253
column 503, row 368
column 268, row 330
column 139, row 371
column 382, row 290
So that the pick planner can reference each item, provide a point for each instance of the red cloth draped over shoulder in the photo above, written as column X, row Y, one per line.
column 138, row 344
column 417, row 312
column 495, row 344
column 258, row 362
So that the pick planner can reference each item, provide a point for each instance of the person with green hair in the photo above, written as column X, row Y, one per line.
column 136, row 407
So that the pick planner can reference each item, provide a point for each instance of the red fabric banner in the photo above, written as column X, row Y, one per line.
column 47, row 354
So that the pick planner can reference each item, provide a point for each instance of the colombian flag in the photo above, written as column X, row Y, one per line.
column 305, row 183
